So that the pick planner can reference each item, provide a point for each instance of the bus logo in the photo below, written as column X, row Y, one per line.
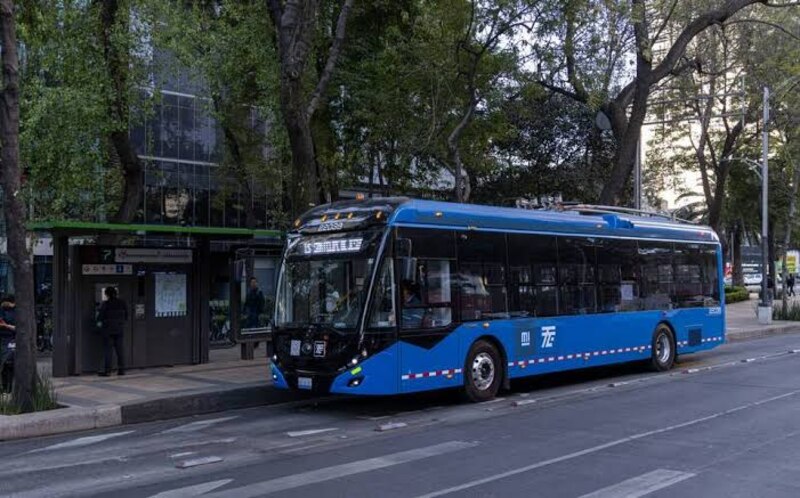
column 548, row 336
column 525, row 338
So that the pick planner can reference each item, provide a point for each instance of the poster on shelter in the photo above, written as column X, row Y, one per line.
column 170, row 294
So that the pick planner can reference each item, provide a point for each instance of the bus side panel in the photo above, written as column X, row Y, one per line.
column 581, row 341
column 423, row 369
column 571, row 342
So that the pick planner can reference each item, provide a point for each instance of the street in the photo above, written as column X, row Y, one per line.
column 723, row 423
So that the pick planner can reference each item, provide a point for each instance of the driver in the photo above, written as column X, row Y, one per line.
column 413, row 312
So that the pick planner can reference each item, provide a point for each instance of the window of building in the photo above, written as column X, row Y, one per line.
column 576, row 274
column 481, row 275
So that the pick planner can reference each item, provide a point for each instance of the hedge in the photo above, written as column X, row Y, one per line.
column 736, row 294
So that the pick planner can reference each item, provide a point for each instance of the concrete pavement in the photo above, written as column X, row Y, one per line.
column 226, row 382
column 728, row 429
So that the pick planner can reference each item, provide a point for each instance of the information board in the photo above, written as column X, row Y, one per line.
column 170, row 294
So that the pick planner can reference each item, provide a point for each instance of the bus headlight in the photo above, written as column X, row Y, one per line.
column 354, row 361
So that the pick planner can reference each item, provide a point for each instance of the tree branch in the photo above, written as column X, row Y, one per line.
column 703, row 21
column 333, row 57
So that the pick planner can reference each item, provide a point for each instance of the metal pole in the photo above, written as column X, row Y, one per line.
column 637, row 174
column 765, row 301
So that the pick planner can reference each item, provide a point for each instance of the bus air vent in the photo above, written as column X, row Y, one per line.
column 695, row 337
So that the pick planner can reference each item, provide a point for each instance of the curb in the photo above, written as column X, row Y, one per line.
column 69, row 419
column 205, row 402
column 747, row 335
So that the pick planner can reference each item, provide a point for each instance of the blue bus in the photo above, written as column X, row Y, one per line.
column 395, row 295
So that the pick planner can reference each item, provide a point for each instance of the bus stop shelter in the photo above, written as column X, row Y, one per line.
column 165, row 276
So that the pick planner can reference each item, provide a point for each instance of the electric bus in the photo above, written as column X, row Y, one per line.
column 395, row 295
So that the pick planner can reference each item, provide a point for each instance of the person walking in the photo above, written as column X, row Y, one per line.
column 111, row 320
column 790, row 284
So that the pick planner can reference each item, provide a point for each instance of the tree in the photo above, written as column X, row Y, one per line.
column 479, row 64
column 25, row 375
column 295, row 28
column 114, row 36
column 635, row 32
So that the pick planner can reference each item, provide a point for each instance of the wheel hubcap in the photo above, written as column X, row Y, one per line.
column 482, row 371
column 663, row 348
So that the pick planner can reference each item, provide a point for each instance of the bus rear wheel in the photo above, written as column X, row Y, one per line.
column 663, row 349
column 483, row 372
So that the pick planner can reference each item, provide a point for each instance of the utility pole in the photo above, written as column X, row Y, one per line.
column 765, row 306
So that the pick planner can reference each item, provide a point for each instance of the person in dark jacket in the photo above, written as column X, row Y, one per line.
column 253, row 305
column 111, row 320
column 8, row 330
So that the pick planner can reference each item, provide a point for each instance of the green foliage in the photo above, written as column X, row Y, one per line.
column 791, row 312
column 44, row 398
column 736, row 294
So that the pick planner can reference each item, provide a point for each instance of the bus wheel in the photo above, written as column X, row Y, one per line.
column 483, row 372
column 663, row 349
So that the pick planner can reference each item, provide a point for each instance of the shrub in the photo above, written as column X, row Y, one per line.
column 44, row 398
column 736, row 294
column 791, row 312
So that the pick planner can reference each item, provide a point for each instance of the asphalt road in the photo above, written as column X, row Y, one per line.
column 724, row 423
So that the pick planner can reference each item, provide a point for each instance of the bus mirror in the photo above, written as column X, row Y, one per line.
column 402, row 248
column 408, row 269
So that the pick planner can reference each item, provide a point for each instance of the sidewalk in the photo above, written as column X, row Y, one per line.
column 742, row 323
column 91, row 402
column 226, row 382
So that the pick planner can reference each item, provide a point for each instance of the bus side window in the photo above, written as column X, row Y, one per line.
column 657, row 277
column 481, row 275
column 533, row 288
column 617, row 276
column 383, row 314
column 427, row 302
column 576, row 273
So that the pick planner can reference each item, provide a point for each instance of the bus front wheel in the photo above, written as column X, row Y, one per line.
column 663, row 348
column 483, row 372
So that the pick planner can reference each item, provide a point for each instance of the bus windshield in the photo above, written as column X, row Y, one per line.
column 320, row 284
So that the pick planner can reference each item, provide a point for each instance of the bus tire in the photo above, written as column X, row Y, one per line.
column 483, row 372
column 663, row 348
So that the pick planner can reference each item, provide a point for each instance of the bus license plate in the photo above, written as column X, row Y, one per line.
column 294, row 348
column 304, row 382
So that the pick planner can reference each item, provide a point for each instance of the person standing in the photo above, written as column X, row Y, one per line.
column 8, row 330
column 253, row 305
column 111, row 320
column 790, row 284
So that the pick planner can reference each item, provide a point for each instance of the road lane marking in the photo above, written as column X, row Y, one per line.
column 195, row 490
column 601, row 447
column 194, row 462
column 82, row 441
column 310, row 432
column 182, row 454
column 343, row 470
column 641, row 485
column 196, row 426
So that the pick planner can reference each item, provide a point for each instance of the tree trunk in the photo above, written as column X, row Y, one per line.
column 15, row 216
column 295, row 22
column 787, row 236
column 121, row 151
column 305, row 181
column 738, row 275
